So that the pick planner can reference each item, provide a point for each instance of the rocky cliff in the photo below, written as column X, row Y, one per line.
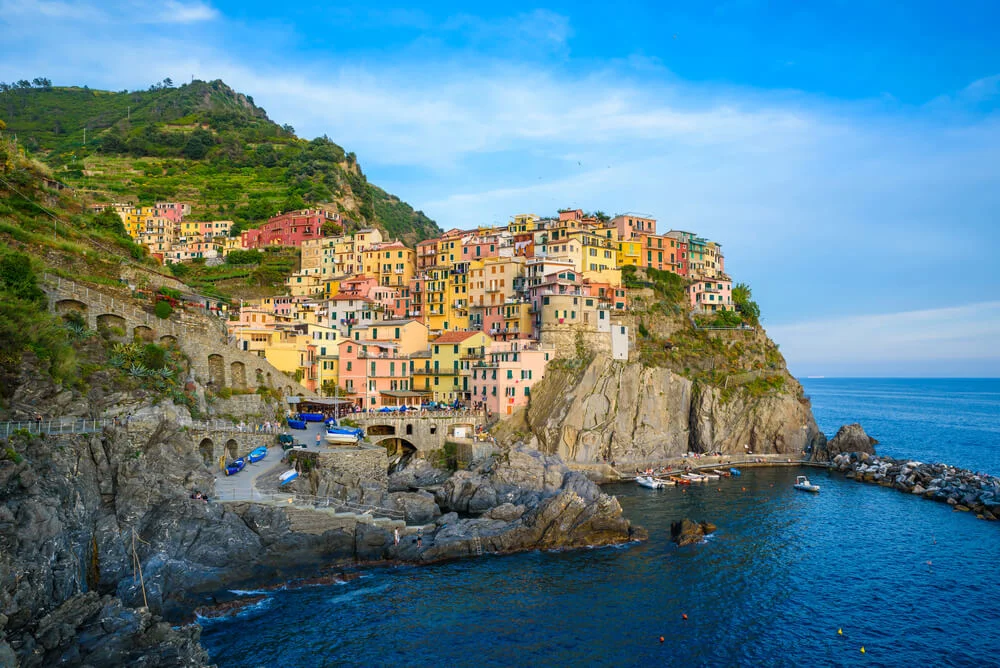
column 633, row 414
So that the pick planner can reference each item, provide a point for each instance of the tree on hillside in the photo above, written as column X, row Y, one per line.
column 743, row 298
column 168, row 83
column 112, row 222
column 197, row 145
column 18, row 279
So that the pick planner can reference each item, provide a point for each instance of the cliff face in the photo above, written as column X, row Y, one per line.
column 629, row 413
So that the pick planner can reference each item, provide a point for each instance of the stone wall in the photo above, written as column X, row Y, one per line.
column 245, row 406
column 425, row 432
column 366, row 463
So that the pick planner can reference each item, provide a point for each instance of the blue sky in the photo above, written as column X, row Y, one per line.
column 847, row 154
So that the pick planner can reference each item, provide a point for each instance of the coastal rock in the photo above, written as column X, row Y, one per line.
column 418, row 473
column 687, row 532
column 228, row 608
column 629, row 414
column 417, row 507
column 850, row 438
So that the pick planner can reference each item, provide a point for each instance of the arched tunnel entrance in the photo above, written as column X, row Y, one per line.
column 232, row 448
column 400, row 452
column 207, row 450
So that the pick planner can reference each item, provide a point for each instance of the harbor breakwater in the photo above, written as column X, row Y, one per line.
column 962, row 489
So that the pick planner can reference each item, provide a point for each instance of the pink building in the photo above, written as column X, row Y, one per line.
column 172, row 211
column 369, row 368
column 504, row 383
column 288, row 229
column 712, row 294
column 630, row 225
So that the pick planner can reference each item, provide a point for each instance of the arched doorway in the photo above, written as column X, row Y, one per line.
column 111, row 323
column 207, row 450
column 168, row 341
column 216, row 370
column 70, row 308
column 143, row 333
column 381, row 430
column 232, row 448
column 238, row 375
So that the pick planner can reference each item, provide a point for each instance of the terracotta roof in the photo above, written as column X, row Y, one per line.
column 454, row 337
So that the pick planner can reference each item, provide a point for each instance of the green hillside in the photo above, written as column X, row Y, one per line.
column 201, row 143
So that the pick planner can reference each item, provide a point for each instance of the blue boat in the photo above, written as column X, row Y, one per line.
column 312, row 417
column 287, row 476
column 257, row 454
column 296, row 424
column 235, row 466
column 344, row 435
column 735, row 471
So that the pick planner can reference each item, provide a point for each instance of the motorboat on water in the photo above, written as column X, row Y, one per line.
column 344, row 435
column 710, row 475
column 694, row 477
column 649, row 482
column 802, row 482
column 724, row 474
column 680, row 480
column 735, row 471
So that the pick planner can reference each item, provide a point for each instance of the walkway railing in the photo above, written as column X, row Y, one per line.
column 56, row 426
column 311, row 501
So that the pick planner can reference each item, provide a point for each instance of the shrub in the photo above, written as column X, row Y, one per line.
column 163, row 310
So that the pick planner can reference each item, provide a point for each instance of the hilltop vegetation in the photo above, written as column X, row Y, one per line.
column 201, row 143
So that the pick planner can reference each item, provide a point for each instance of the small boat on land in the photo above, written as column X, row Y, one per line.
column 235, row 466
column 287, row 476
column 296, row 424
column 257, row 454
column 344, row 435
column 312, row 417
column 649, row 482
column 735, row 471
column 724, row 474
column 802, row 482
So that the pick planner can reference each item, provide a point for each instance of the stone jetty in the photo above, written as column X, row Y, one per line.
column 962, row 489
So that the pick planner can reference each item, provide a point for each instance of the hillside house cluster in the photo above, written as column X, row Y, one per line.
column 472, row 316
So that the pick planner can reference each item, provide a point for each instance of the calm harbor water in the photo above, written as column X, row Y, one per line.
column 908, row 579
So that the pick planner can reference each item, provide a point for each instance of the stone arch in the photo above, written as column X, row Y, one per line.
column 258, row 375
column 409, row 429
column 207, row 450
column 168, row 340
column 288, row 390
column 143, row 333
column 238, row 375
column 381, row 430
column 398, row 446
column 66, row 306
column 111, row 321
column 232, row 448
column 267, row 377
column 216, row 370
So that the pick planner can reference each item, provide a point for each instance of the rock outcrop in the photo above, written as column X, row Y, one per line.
column 632, row 415
column 962, row 489
column 849, row 438
column 687, row 532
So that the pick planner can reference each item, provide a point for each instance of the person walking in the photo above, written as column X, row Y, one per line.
column 318, row 439
column 396, row 536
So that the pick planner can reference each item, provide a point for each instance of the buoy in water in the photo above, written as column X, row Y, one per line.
column 684, row 616
column 862, row 649
column 661, row 638
column 840, row 632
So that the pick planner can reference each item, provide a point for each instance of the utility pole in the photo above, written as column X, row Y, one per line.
column 84, row 135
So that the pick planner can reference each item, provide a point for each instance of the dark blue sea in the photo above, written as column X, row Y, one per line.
column 907, row 579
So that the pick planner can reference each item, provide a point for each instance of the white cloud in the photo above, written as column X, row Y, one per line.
column 122, row 13
column 963, row 332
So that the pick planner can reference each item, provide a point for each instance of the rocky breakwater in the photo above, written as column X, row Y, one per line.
column 962, row 489
column 521, row 500
column 634, row 415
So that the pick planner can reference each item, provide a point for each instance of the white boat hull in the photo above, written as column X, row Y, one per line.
column 342, row 439
column 650, row 483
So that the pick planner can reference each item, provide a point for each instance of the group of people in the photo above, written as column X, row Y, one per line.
column 199, row 496
column 266, row 427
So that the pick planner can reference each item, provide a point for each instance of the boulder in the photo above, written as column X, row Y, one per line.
column 850, row 438
column 686, row 532
column 417, row 507
column 418, row 474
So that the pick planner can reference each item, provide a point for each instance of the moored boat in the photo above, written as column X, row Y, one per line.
column 680, row 480
column 709, row 475
column 235, row 466
column 649, row 482
column 735, row 471
column 257, row 454
column 344, row 435
column 694, row 477
column 724, row 474
column 802, row 482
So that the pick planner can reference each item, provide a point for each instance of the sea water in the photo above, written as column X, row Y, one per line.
column 907, row 579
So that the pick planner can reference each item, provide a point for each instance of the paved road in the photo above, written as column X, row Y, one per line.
column 243, row 485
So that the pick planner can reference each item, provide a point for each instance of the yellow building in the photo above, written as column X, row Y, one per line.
column 629, row 254
column 410, row 336
column 303, row 286
column 523, row 222
column 391, row 264
column 492, row 281
column 437, row 309
column 453, row 355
